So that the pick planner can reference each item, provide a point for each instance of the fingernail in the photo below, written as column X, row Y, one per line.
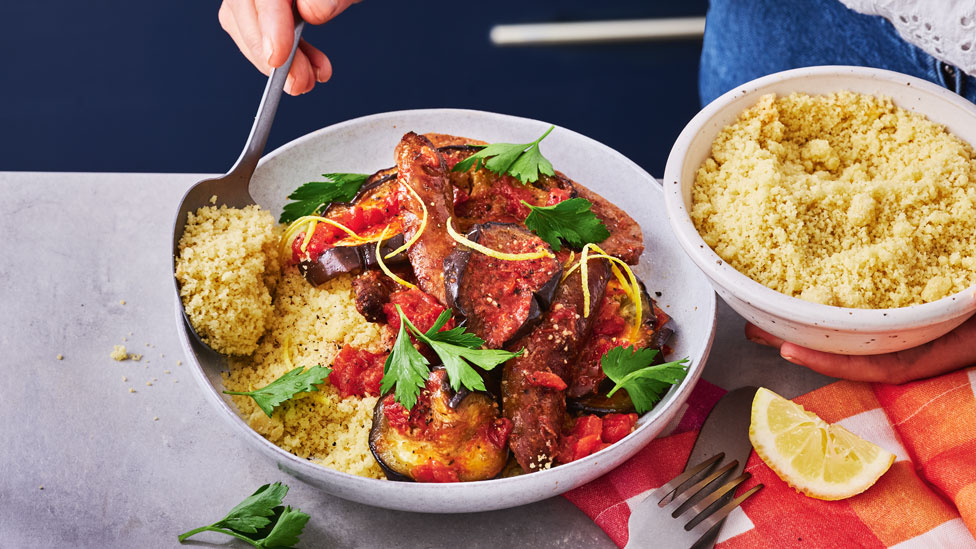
column 792, row 359
column 290, row 84
column 320, row 75
column 268, row 49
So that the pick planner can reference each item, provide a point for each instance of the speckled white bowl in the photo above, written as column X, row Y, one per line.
column 822, row 327
column 366, row 145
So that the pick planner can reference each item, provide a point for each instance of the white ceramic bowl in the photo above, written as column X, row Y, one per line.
column 366, row 145
column 822, row 327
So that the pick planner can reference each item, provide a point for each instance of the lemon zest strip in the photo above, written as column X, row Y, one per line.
column 308, row 234
column 383, row 267
column 495, row 253
column 631, row 287
column 292, row 230
column 423, row 224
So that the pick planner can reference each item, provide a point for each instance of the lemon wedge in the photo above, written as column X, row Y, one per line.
column 821, row 460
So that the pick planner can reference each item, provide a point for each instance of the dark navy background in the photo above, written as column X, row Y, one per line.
column 116, row 85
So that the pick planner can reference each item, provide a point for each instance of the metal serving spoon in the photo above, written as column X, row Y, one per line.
column 232, row 188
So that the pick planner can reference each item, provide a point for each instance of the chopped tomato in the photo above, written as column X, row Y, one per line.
column 497, row 433
column 412, row 420
column 588, row 425
column 617, row 426
column 590, row 434
column 421, row 308
column 359, row 219
column 460, row 196
column 357, row 373
column 557, row 195
column 434, row 471
column 546, row 379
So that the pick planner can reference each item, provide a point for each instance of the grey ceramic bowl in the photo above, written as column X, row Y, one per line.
column 366, row 145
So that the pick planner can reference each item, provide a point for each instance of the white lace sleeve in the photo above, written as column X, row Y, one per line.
column 944, row 29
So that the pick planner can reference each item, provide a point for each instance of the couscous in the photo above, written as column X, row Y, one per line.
column 842, row 199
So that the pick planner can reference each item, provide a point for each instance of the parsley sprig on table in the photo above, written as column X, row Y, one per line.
column 524, row 161
column 260, row 520
column 645, row 383
column 286, row 387
column 312, row 197
column 458, row 350
column 571, row 220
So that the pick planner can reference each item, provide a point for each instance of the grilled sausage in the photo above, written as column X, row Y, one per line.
column 422, row 168
column 626, row 240
column 531, row 396
column 373, row 289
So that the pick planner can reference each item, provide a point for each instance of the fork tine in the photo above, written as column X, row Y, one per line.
column 685, row 498
column 705, row 526
column 668, row 490
column 726, row 490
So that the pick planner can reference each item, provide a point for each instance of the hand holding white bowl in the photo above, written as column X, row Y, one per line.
column 950, row 352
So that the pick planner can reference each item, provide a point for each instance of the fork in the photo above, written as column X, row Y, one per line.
column 710, row 500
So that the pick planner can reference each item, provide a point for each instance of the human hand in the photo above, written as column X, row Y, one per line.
column 264, row 31
column 953, row 351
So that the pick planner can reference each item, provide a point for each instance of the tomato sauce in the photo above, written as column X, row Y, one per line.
column 357, row 373
column 433, row 470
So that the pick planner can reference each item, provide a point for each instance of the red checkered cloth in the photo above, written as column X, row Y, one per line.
column 927, row 498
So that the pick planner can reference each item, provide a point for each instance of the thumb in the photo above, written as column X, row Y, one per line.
column 317, row 12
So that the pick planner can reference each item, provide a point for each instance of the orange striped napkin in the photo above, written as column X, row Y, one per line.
column 926, row 499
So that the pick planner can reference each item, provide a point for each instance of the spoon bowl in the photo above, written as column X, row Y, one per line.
column 232, row 188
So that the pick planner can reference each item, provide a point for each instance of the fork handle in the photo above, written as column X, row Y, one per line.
column 258, row 138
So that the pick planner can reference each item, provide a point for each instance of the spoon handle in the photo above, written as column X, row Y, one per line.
column 258, row 138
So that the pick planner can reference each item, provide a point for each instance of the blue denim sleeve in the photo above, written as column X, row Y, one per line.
column 746, row 39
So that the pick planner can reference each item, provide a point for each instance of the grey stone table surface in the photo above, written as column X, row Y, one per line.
column 99, row 453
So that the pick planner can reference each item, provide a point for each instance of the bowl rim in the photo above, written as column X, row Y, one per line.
column 748, row 290
column 675, row 397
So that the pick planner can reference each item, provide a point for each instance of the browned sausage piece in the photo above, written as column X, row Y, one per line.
column 422, row 168
column 372, row 289
column 536, row 405
column 626, row 240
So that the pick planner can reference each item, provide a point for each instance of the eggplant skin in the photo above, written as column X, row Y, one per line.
column 500, row 300
column 350, row 260
column 456, row 435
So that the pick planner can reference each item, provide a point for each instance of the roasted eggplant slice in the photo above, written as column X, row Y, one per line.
column 375, row 189
column 350, row 259
column 600, row 404
column 443, row 438
column 501, row 300
column 613, row 327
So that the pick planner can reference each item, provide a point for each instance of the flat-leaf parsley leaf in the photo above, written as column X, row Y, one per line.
column 458, row 350
column 260, row 520
column 523, row 161
column 571, row 220
column 285, row 387
column 312, row 197
column 645, row 383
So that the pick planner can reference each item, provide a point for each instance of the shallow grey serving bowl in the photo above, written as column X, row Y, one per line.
column 366, row 145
